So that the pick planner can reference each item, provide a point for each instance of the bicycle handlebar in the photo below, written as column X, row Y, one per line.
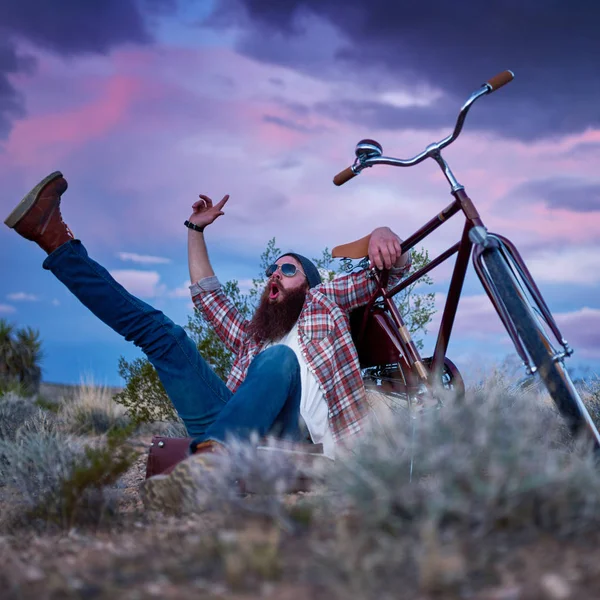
column 345, row 175
column 499, row 80
column 374, row 157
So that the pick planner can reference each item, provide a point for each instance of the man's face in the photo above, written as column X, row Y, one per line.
column 280, row 304
column 278, row 282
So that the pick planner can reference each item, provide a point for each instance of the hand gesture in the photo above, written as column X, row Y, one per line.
column 204, row 211
column 384, row 248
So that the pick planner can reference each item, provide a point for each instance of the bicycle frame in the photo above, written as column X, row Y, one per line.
column 474, row 241
column 464, row 249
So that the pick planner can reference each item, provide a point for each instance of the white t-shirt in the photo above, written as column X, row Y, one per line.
column 313, row 406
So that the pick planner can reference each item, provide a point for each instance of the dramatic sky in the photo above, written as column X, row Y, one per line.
column 145, row 104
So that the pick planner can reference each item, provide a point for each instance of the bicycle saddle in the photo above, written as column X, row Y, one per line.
column 357, row 249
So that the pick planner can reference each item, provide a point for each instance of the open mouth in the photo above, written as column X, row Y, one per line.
column 273, row 291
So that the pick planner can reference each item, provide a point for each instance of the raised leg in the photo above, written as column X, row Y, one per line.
column 196, row 392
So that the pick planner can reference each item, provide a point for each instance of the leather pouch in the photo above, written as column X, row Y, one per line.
column 166, row 452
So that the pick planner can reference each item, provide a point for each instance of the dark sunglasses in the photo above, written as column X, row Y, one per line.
column 287, row 269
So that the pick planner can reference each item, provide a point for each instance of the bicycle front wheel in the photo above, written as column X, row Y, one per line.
column 550, row 369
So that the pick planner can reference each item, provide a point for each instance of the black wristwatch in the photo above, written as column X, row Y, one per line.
column 194, row 227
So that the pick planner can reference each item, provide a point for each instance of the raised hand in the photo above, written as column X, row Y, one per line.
column 384, row 248
column 204, row 211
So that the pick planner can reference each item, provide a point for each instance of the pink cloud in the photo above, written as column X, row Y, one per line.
column 162, row 125
column 62, row 132
column 476, row 318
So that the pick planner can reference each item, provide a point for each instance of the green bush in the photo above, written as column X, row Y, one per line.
column 144, row 396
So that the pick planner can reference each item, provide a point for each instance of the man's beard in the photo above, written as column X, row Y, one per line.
column 272, row 321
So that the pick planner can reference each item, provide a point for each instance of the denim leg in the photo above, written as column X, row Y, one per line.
column 198, row 395
column 267, row 402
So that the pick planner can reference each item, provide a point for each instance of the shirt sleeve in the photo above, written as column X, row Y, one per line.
column 226, row 320
column 355, row 289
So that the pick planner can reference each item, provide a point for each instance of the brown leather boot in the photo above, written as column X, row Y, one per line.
column 37, row 217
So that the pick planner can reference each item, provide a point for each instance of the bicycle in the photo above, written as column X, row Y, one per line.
column 389, row 357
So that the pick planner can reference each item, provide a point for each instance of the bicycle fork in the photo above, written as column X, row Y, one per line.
column 483, row 240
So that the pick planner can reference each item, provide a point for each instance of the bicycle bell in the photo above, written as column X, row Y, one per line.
column 368, row 149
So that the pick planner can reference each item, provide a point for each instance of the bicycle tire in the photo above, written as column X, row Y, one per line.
column 552, row 372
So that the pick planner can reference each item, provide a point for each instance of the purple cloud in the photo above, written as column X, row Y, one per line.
column 582, row 330
column 452, row 47
column 67, row 28
column 562, row 192
column 287, row 123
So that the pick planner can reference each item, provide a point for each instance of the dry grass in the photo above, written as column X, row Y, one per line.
column 92, row 410
column 462, row 502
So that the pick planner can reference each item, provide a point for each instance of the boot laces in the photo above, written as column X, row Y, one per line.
column 54, row 209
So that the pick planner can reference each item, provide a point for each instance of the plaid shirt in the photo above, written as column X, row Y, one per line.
column 324, row 338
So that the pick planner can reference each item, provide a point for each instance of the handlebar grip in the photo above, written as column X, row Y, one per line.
column 343, row 176
column 499, row 80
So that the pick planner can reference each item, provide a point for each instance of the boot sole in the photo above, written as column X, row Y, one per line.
column 23, row 207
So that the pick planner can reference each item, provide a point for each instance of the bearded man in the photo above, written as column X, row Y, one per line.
column 296, row 372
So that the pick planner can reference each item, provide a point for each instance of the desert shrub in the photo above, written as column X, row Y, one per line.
column 35, row 463
column 497, row 462
column 58, row 478
column 83, row 495
column 497, row 457
column 92, row 411
column 14, row 414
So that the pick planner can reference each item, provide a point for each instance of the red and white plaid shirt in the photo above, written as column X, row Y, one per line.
column 324, row 337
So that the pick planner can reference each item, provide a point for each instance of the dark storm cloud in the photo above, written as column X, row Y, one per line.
column 10, row 102
column 377, row 114
column 551, row 46
column 561, row 192
column 286, row 124
column 66, row 27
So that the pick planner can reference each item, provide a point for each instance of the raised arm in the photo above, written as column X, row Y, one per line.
column 204, row 213
column 207, row 294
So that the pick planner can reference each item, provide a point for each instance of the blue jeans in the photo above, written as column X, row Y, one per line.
column 267, row 402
